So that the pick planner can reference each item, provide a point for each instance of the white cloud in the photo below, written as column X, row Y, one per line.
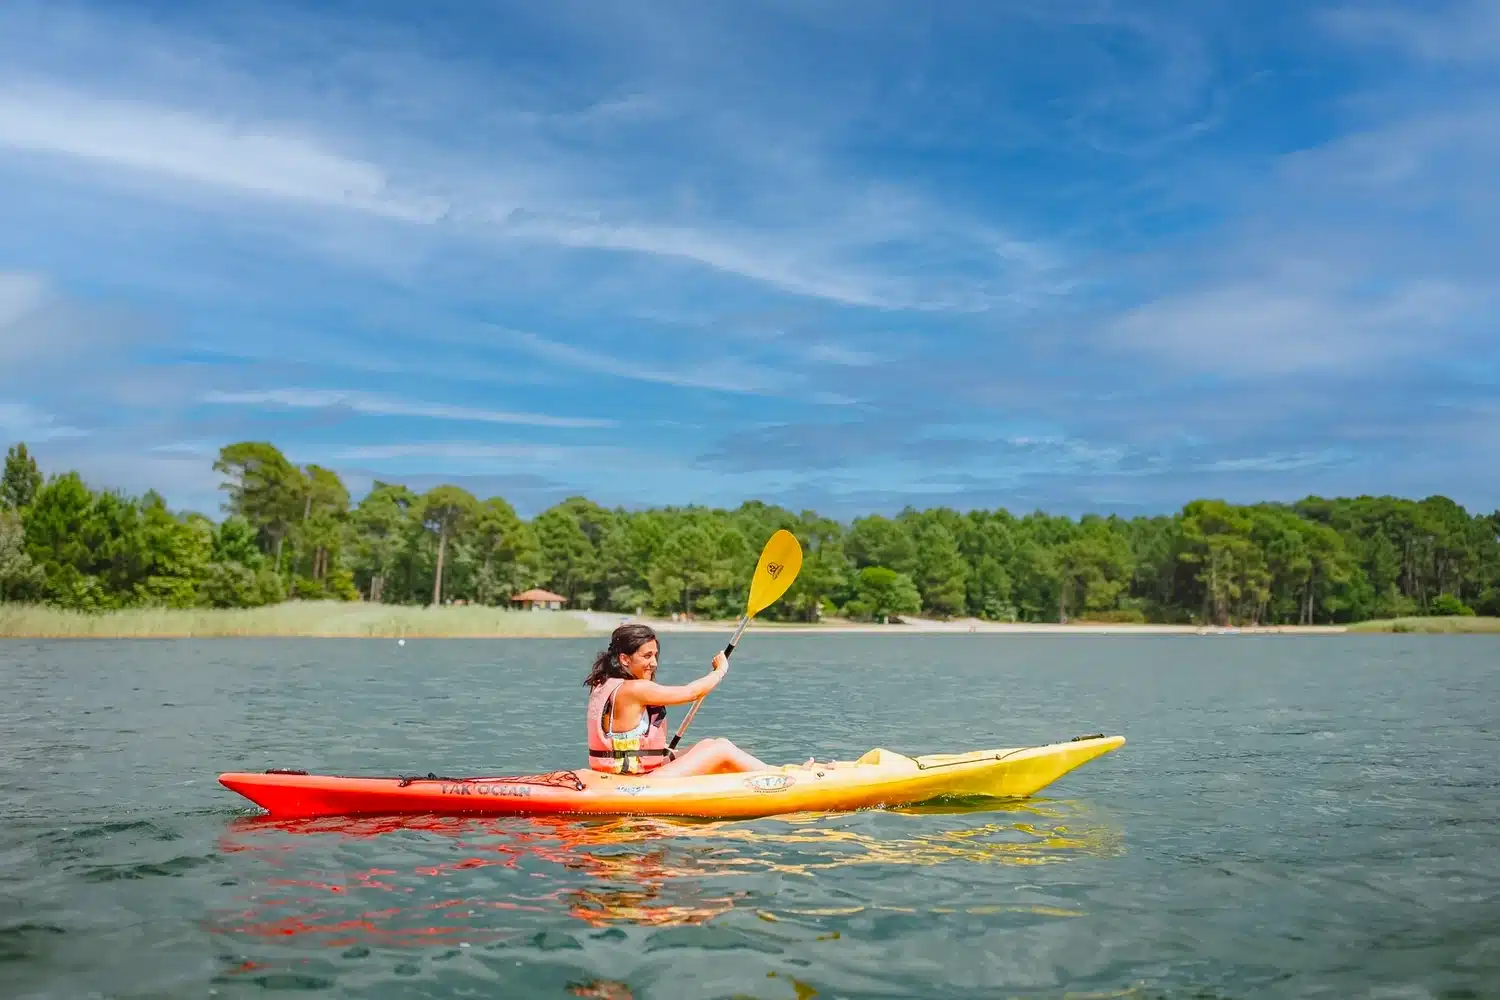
column 20, row 294
column 1438, row 154
column 252, row 158
column 194, row 449
column 719, row 374
column 370, row 404
column 280, row 161
column 1275, row 462
column 24, row 422
column 1374, row 247
column 838, row 354
column 798, row 222
column 188, row 482
column 1466, row 32
column 813, row 271
column 542, row 453
column 1279, row 327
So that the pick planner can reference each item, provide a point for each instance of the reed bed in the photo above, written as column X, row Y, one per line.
column 317, row 619
column 1445, row 624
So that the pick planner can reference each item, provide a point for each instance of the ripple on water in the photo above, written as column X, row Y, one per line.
column 1289, row 819
column 537, row 887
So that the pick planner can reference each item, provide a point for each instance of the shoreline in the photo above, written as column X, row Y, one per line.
column 963, row 626
column 341, row 620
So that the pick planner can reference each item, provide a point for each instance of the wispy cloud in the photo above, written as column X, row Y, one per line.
column 369, row 404
column 250, row 158
column 1282, row 327
column 542, row 453
column 22, row 421
column 856, row 446
column 840, row 354
column 20, row 294
column 1466, row 31
column 1283, row 462
column 718, row 374
column 810, row 259
column 763, row 200
column 48, row 338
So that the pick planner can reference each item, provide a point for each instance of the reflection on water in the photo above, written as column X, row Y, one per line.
column 601, row 989
column 1317, row 819
column 451, row 881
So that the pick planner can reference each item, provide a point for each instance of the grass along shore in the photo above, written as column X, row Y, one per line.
column 340, row 619
column 1441, row 625
column 311, row 619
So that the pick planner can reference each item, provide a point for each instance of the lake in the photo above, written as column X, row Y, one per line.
column 1291, row 817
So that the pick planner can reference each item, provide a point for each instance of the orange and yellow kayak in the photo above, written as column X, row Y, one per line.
column 878, row 778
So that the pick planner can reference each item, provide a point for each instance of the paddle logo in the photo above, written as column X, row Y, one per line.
column 773, row 570
column 770, row 782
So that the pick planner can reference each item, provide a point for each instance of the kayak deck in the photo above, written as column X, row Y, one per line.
column 879, row 778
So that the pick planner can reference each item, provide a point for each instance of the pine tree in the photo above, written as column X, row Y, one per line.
column 21, row 479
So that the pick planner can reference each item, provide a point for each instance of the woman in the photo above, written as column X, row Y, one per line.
column 627, row 715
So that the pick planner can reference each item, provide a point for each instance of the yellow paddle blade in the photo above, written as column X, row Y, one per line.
column 780, row 561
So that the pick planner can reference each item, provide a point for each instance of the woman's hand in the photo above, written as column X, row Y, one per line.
column 720, row 662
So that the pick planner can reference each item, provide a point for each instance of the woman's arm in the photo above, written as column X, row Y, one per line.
column 652, row 693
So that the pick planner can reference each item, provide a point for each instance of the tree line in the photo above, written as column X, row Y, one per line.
column 291, row 532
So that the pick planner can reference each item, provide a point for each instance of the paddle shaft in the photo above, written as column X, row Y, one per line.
column 694, row 710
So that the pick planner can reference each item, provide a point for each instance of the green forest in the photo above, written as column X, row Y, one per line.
column 292, row 532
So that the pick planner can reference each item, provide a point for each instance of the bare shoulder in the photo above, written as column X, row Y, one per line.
column 632, row 690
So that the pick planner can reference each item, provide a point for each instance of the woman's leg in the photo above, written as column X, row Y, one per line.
column 711, row 756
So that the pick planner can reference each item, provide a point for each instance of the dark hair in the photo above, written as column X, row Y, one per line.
column 625, row 639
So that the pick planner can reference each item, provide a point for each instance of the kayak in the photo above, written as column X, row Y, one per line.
column 880, row 778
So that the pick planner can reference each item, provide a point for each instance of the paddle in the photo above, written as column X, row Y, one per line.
column 780, row 561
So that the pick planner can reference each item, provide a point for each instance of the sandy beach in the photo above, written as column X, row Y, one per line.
column 604, row 622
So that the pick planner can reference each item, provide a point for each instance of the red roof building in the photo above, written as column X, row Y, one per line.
column 537, row 599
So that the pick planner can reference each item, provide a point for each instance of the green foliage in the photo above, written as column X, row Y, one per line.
column 292, row 532
column 882, row 592
column 20, row 578
column 1447, row 604
column 21, row 479
column 265, row 489
column 445, row 510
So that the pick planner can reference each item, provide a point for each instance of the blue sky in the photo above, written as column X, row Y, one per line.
column 853, row 256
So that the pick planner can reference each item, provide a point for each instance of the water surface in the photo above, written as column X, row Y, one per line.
column 1291, row 817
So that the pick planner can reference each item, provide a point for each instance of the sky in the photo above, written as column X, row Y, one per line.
column 1073, row 256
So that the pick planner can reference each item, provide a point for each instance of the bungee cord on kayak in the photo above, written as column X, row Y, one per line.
column 935, row 761
column 552, row 779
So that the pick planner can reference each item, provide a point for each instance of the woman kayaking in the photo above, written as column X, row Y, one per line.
column 627, row 715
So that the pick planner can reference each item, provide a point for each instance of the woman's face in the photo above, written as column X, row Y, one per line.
column 641, row 663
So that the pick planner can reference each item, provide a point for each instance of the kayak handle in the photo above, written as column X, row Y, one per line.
column 728, row 650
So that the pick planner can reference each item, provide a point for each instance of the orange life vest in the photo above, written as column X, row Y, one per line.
column 642, row 749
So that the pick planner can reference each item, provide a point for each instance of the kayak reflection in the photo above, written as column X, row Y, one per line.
column 645, row 871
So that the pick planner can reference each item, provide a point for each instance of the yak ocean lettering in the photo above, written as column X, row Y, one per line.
column 484, row 788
